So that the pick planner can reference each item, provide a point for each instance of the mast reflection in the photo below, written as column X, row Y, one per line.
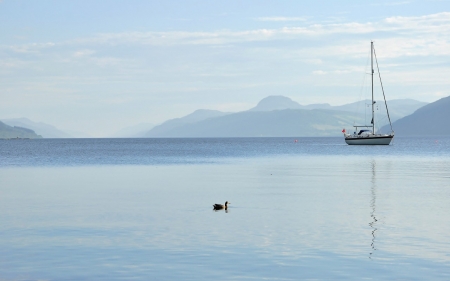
column 373, row 223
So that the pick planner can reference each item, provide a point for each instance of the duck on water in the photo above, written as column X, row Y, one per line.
column 220, row 206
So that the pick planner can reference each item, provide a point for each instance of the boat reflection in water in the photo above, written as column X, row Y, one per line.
column 373, row 223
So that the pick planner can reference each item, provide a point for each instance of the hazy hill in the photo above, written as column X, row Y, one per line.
column 196, row 116
column 397, row 108
column 432, row 119
column 266, row 119
column 288, row 122
column 8, row 132
column 45, row 130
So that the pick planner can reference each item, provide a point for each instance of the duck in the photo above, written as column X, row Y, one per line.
column 220, row 206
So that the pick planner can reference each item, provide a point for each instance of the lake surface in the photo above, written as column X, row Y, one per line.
column 141, row 209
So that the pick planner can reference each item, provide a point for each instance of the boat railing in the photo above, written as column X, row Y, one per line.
column 354, row 136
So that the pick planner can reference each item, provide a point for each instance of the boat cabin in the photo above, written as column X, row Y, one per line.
column 364, row 132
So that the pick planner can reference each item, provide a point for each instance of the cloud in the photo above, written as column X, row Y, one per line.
column 392, row 3
column 282, row 19
column 313, row 61
column 321, row 48
column 9, row 64
column 343, row 71
column 29, row 48
column 405, row 36
column 83, row 53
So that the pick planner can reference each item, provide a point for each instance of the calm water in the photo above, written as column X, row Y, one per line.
column 140, row 209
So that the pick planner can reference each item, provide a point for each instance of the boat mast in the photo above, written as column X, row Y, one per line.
column 371, row 66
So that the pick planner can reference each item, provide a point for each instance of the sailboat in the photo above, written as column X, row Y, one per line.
column 367, row 136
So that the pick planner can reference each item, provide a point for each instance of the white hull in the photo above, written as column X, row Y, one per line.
column 369, row 140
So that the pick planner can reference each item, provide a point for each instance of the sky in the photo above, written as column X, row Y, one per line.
column 99, row 66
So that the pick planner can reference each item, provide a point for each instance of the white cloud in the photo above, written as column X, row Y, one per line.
column 83, row 53
column 402, row 36
column 343, row 71
column 392, row 3
column 282, row 19
column 405, row 36
column 421, row 25
column 313, row 61
column 29, row 48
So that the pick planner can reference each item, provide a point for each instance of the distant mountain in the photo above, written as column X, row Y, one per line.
column 276, row 103
column 397, row 108
column 135, row 131
column 430, row 120
column 266, row 119
column 288, row 122
column 196, row 116
column 9, row 132
column 45, row 130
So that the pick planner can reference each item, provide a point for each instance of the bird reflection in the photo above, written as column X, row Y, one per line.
column 373, row 223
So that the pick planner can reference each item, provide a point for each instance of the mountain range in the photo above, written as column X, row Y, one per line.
column 429, row 120
column 9, row 132
column 45, row 130
column 288, row 122
column 279, row 116
column 273, row 116
column 398, row 108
